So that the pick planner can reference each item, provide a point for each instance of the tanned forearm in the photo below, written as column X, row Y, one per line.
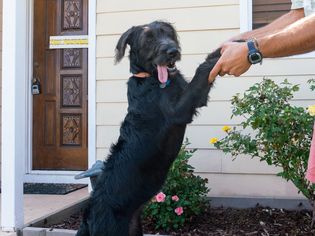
column 273, row 27
column 296, row 38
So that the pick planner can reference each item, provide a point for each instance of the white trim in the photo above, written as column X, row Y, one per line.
column 246, row 15
column 246, row 23
column 92, row 86
column 54, row 177
column 14, row 112
column 29, row 96
column 67, row 176
column 92, row 83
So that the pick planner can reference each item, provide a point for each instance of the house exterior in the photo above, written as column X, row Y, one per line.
column 52, row 136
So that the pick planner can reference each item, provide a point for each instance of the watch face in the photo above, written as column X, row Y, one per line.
column 255, row 58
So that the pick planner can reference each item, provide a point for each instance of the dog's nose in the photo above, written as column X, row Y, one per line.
column 172, row 52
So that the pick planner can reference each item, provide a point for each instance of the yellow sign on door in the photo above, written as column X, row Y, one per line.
column 69, row 41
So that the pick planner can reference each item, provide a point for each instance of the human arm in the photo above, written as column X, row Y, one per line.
column 297, row 38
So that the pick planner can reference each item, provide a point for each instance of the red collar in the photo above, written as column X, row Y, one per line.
column 142, row 75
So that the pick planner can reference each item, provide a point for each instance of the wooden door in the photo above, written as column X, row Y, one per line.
column 60, row 110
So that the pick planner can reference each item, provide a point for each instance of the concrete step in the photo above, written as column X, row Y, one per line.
column 33, row 231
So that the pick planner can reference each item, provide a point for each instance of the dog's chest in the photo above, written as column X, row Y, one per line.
column 146, row 94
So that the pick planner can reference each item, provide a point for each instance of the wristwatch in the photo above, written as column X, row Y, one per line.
column 254, row 55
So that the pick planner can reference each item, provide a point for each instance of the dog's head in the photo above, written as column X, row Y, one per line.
column 153, row 47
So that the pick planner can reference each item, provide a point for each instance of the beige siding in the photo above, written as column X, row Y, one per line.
column 202, row 25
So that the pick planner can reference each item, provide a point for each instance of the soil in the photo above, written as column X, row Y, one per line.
column 226, row 221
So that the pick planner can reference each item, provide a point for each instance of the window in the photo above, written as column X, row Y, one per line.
column 265, row 11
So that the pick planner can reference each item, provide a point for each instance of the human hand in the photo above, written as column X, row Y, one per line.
column 233, row 60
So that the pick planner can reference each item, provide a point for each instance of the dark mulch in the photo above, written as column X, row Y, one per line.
column 238, row 222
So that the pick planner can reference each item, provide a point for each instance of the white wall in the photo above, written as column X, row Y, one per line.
column 202, row 25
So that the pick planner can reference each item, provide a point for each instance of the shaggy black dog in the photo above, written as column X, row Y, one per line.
column 161, row 104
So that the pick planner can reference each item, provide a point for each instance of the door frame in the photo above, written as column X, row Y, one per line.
column 55, row 176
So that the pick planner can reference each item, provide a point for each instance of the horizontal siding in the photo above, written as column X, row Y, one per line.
column 204, row 18
column 270, row 67
column 251, row 184
column 189, row 45
column 248, row 185
column 204, row 127
column 106, row 70
column 113, row 91
column 216, row 113
column 215, row 161
column 104, row 6
column 110, row 113
column 202, row 26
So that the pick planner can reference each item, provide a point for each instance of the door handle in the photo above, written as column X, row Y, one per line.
column 36, row 90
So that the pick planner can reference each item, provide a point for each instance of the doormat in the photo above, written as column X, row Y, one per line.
column 58, row 189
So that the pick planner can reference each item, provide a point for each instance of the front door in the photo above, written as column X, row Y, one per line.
column 60, row 110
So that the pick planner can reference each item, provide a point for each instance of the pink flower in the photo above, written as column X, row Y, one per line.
column 175, row 198
column 160, row 197
column 179, row 211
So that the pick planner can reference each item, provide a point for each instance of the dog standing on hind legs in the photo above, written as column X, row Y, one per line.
column 160, row 105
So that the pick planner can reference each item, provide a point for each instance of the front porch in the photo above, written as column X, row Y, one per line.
column 40, row 206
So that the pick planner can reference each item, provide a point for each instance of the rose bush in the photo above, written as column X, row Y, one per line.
column 183, row 195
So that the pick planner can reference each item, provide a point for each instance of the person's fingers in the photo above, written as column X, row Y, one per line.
column 215, row 71
column 236, row 74
column 225, row 46
column 222, row 49
column 223, row 72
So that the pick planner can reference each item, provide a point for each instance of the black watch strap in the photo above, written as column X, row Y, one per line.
column 254, row 55
column 251, row 47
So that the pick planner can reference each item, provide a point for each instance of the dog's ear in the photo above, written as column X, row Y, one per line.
column 122, row 44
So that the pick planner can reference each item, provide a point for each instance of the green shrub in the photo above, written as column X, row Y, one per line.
column 182, row 196
column 280, row 132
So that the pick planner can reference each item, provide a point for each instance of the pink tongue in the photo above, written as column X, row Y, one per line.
column 162, row 73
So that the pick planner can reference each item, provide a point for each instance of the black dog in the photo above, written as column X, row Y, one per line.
column 161, row 104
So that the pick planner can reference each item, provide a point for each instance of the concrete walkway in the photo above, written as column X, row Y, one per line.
column 37, row 206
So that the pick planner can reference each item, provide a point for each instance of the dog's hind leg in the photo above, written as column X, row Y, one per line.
column 135, row 227
column 84, row 226
column 83, row 230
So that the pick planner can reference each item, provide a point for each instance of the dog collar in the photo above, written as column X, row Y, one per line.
column 142, row 75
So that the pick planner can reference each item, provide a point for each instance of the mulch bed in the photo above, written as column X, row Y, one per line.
column 237, row 222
